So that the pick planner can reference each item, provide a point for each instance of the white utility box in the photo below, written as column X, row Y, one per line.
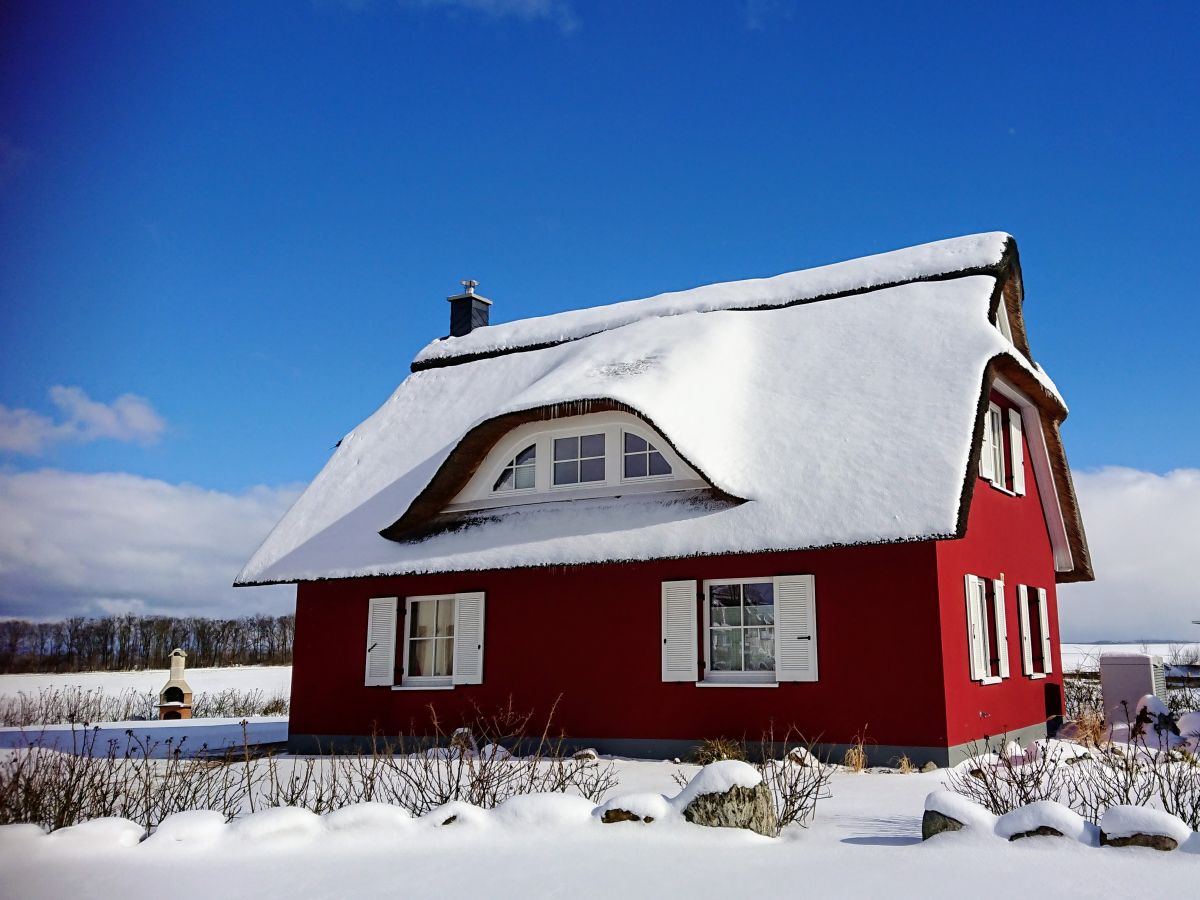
column 1125, row 678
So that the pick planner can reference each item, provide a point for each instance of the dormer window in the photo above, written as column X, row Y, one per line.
column 642, row 458
column 579, row 459
column 520, row 473
column 607, row 454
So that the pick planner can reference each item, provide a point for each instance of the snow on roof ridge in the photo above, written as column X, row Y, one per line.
column 923, row 261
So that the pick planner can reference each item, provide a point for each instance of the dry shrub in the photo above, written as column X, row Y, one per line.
column 715, row 749
column 484, row 762
column 906, row 766
column 855, row 757
column 75, row 705
column 797, row 781
column 1089, row 728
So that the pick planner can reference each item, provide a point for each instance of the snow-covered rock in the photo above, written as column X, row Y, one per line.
column 728, row 794
column 369, row 816
column 948, row 811
column 100, row 834
column 458, row 814
column 280, row 823
column 543, row 811
column 644, row 807
column 1044, row 817
column 717, row 778
column 1141, row 826
column 195, row 827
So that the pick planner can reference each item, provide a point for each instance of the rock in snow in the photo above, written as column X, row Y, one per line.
column 948, row 811
column 1045, row 817
column 729, row 794
column 1140, row 826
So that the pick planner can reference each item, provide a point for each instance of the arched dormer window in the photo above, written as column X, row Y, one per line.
column 592, row 455
column 642, row 459
column 520, row 472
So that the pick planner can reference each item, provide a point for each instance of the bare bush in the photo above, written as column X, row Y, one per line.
column 485, row 762
column 75, row 705
column 1003, row 782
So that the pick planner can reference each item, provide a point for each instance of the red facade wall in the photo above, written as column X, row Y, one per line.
column 592, row 635
column 1006, row 536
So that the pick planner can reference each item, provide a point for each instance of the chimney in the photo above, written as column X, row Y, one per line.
column 468, row 310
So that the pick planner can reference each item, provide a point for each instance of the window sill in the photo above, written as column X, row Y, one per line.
column 422, row 687
column 991, row 679
column 1002, row 489
column 1037, row 675
column 737, row 684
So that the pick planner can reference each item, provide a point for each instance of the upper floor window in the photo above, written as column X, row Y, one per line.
column 642, row 459
column 1002, row 457
column 579, row 459
column 520, row 473
column 593, row 455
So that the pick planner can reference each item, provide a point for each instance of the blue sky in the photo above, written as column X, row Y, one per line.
column 249, row 215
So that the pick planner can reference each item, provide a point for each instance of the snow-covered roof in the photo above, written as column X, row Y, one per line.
column 844, row 421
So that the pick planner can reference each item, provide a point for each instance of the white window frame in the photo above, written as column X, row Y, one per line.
column 578, row 435
column 743, row 678
column 982, row 619
column 478, row 493
column 992, row 467
column 428, row 681
column 512, row 464
column 1026, row 596
column 653, row 447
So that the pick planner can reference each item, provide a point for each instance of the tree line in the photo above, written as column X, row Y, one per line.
column 118, row 643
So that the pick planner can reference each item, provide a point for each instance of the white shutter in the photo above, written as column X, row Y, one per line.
column 381, row 641
column 679, row 655
column 1001, row 626
column 987, row 460
column 1044, row 615
column 1016, row 451
column 795, row 628
column 468, row 638
column 1026, row 635
column 975, row 638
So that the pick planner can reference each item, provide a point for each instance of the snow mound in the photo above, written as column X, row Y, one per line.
column 717, row 778
column 279, row 823
column 1153, row 705
column 195, row 826
column 456, row 814
column 544, row 811
column 1049, row 814
column 100, row 834
column 959, row 808
column 1124, row 821
column 370, row 816
column 658, row 807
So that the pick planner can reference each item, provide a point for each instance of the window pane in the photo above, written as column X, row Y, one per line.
column 762, row 594
column 423, row 613
column 445, row 618
column 759, row 615
column 420, row 658
column 591, row 445
column 725, row 602
column 726, row 653
column 635, row 465
column 526, row 456
column 591, row 470
column 566, row 473
column 760, row 649
column 566, row 448
column 633, row 443
column 505, row 481
column 524, row 477
column 443, row 660
column 658, row 465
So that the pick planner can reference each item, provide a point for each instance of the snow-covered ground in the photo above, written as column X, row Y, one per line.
column 270, row 680
column 865, row 843
column 162, row 737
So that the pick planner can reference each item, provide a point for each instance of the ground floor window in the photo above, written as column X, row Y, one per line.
column 741, row 628
column 987, row 629
column 429, row 647
column 1035, row 631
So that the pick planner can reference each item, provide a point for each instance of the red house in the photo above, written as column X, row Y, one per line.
column 835, row 499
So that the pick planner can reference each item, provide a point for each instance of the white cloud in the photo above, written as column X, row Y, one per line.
column 99, row 543
column 560, row 12
column 129, row 418
column 1144, row 534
